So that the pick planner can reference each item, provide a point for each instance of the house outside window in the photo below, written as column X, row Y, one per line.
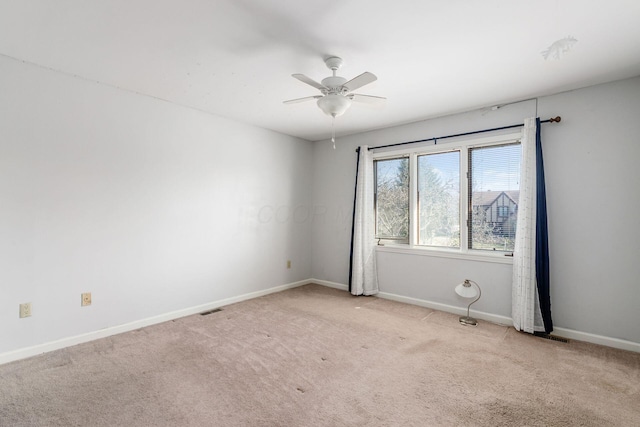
column 494, row 187
column 459, row 197
column 503, row 211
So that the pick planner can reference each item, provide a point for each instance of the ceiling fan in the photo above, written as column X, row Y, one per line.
column 337, row 92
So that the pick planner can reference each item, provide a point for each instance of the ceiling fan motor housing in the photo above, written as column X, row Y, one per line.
column 334, row 84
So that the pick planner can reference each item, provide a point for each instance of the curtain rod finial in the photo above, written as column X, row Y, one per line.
column 555, row 119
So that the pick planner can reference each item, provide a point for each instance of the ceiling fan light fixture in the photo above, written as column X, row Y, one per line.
column 334, row 105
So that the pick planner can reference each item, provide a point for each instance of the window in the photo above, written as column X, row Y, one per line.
column 392, row 199
column 439, row 199
column 454, row 197
column 494, row 183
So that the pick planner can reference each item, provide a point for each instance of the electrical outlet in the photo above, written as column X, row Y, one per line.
column 86, row 299
column 288, row 263
column 25, row 309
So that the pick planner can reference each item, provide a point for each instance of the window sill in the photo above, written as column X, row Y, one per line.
column 498, row 258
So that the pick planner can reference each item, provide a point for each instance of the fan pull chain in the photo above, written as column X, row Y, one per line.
column 333, row 131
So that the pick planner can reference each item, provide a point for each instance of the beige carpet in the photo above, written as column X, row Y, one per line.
column 315, row 356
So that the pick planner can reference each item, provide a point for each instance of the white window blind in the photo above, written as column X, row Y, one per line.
column 494, row 184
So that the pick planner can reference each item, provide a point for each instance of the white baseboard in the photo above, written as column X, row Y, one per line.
column 501, row 320
column 493, row 318
column 330, row 284
column 35, row 350
column 597, row 339
column 23, row 353
column 504, row 320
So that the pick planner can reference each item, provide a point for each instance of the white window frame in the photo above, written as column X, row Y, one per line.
column 463, row 146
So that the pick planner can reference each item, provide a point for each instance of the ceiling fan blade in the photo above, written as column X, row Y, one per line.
column 357, row 82
column 306, row 98
column 368, row 99
column 309, row 81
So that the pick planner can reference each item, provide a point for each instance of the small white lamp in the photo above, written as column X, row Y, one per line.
column 465, row 290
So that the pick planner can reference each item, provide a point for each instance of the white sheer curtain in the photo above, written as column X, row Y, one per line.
column 364, row 277
column 525, row 305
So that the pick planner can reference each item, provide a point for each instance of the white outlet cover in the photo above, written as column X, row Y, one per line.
column 25, row 310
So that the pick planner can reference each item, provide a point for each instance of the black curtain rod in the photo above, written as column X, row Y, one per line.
column 551, row 120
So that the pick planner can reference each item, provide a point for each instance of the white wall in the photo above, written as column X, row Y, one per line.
column 150, row 206
column 155, row 208
column 593, row 196
column 591, row 169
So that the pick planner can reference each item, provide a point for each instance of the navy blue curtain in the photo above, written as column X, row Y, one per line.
column 353, row 219
column 542, row 238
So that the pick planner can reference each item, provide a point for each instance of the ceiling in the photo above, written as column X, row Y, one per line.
column 234, row 58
